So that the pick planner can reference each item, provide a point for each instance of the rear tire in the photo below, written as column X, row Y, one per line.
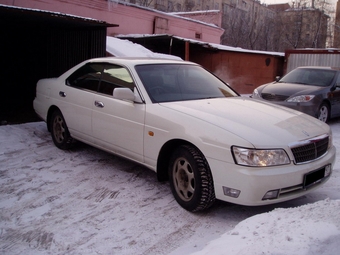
column 323, row 113
column 60, row 135
column 191, row 180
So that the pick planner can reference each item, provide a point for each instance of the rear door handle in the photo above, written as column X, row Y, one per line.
column 62, row 94
column 99, row 104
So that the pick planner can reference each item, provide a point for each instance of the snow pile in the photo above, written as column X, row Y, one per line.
column 125, row 48
column 308, row 229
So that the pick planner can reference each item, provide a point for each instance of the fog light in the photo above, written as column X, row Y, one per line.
column 231, row 192
column 328, row 170
column 272, row 194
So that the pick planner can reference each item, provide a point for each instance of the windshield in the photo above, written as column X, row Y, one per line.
column 177, row 82
column 309, row 76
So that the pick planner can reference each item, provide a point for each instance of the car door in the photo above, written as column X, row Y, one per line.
column 78, row 94
column 118, row 125
column 335, row 98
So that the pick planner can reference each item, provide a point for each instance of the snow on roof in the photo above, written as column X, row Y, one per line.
column 207, row 45
column 230, row 48
column 125, row 48
column 166, row 14
column 195, row 12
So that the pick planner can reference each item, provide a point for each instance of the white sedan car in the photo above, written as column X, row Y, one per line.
column 185, row 124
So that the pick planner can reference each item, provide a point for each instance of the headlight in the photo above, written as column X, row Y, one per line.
column 330, row 141
column 301, row 99
column 253, row 157
column 256, row 93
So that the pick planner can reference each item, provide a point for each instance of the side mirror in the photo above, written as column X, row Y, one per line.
column 277, row 78
column 126, row 94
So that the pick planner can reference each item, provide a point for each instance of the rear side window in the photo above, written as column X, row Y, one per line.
column 86, row 77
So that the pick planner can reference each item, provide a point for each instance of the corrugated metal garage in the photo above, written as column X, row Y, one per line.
column 311, row 57
column 37, row 44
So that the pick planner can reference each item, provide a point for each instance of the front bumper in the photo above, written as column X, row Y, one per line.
column 253, row 183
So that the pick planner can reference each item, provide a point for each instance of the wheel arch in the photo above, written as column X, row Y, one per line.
column 326, row 101
column 51, row 110
column 165, row 154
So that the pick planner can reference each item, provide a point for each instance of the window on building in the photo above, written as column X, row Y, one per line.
column 170, row 6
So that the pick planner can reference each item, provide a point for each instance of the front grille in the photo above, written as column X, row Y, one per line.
column 273, row 97
column 311, row 150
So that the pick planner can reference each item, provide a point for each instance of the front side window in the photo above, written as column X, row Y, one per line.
column 101, row 77
column 178, row 82
column 115, row 76
column 338, row 80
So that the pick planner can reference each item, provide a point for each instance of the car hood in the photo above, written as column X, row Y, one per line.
column 289, row 89
column 260, row 123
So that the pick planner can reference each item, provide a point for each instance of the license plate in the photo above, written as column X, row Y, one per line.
column 313, row 178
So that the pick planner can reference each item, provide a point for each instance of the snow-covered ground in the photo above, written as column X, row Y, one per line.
column 86, row 201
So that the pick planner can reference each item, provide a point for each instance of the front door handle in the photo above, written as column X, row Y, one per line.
column 62, row 94
column 99, row 104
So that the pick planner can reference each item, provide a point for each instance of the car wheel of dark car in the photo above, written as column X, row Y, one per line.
column 59, row 131
column 323, row 113
column 191, row 179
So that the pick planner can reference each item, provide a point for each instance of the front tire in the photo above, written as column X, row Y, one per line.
column 60, row 135
column 323, row 113
column 191, row 180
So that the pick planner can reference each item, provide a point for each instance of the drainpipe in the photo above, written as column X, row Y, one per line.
column 187, row 51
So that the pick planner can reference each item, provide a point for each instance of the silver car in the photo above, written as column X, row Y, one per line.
column 312, row 90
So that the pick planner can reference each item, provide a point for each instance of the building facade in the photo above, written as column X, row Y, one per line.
column 303, row 28
column 248, row 24
column 252, row 25
column 337, row 26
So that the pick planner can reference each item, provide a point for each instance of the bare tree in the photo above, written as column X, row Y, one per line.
column 304, row 25
column 235, row 22
column 269, row 34
column 251, row 28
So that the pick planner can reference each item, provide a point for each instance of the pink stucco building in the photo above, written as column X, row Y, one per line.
column 131, row 19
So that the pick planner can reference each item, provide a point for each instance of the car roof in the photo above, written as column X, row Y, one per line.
column 320, row 67
column 139, row 60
